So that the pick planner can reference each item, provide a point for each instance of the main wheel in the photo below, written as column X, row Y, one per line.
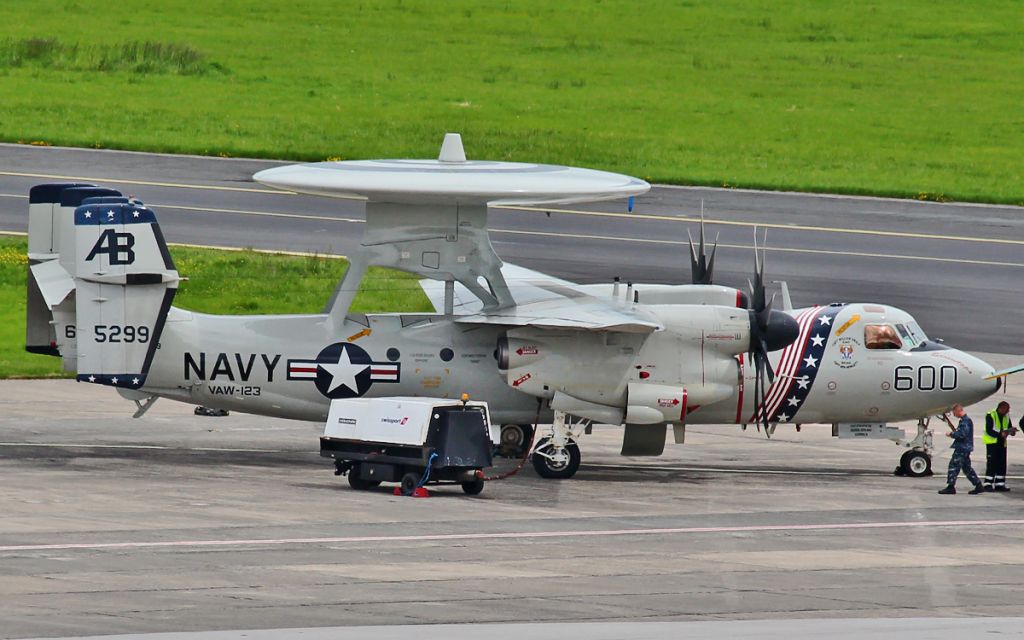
column 916, row 464
column 557, row 465
column 410, row 481
column 514, row 438
column 358, row 483
column 473, row 487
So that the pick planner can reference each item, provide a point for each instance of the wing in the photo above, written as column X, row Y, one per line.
column 544, row 301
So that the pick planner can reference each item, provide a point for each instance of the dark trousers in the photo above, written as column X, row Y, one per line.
column 995, row 465
column 961, row 460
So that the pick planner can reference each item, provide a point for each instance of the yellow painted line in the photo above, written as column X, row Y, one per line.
column 12, row 233
column 768, row 225
column 146, row 183
column 859, row 254
column 270, row 214
column 581, row 212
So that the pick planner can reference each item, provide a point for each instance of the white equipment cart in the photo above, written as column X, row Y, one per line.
column 414, row 441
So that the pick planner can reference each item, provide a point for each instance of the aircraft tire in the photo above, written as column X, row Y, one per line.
column 358, row 483
column 473, row 487
column 916, row 464
column 410, row 481
column 546, row 468
column 514, row 438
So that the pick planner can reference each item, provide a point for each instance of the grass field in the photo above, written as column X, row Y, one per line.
column 231, row 282
column 920, row 98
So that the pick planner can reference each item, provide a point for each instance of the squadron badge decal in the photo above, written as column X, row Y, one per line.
column 343, row 370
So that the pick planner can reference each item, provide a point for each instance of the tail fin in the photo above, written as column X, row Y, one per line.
column 125, row 282
column 50, row 304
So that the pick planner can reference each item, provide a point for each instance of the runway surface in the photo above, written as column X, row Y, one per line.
column 209, row 526
column 956, row 267
column 196, row 525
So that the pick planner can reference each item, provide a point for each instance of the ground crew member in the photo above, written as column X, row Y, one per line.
column 997, row 430
column 963, row 444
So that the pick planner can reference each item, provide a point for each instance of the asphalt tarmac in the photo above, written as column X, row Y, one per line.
column 234, row 527
column 956, row 267
column 181, row 523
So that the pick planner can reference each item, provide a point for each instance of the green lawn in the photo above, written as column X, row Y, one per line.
column 920, row 98
column 231, row 282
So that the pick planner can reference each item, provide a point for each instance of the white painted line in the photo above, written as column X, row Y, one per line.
column 514, row 535
column 62, row 445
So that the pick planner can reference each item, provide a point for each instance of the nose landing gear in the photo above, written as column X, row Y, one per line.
column 917, row 461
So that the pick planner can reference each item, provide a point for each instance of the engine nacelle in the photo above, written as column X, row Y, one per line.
column 591, row 366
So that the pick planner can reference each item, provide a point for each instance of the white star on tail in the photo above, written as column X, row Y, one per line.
column 135, row 381
column 825, row 320
column 817, row 341
column 343, row 373
column 793, row 402
column 88, row 214
column 802, row 382
column 110, row 215
column 135, row 214
column 811, row 361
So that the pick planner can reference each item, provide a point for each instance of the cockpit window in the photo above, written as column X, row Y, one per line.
column 917, row 332
column 881, row 336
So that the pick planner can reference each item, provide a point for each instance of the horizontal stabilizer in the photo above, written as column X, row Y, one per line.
column 53, row 281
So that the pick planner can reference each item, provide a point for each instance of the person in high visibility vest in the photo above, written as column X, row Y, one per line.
column 997, row 429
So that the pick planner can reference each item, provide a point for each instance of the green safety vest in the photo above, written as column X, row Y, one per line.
column 998, row 426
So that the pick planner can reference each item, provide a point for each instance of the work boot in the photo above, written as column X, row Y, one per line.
column 1002, row 488
column 978, row 488
column 948, row 491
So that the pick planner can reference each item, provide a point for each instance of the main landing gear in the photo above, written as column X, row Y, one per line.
column 557, row 456
column 916, row 462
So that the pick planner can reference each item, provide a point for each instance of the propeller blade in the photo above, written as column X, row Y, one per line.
column 702, row 266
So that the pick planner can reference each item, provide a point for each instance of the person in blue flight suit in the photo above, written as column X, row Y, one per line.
column 963, row 445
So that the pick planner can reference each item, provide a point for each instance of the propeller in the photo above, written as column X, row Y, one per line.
column 770, row 330
column 702, row 266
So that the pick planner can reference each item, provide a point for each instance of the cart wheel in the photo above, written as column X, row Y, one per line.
column 409, row 483
column 358, row 483
column 473, row 487
column 562, row 467
column 916, row 464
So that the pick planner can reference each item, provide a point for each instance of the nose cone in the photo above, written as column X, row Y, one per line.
column 975, row 384
column 782, row 330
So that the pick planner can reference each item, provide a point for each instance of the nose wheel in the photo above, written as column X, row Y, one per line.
column 917, row 461
column 915, row 464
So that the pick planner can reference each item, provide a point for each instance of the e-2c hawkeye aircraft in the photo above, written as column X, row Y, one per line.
column 539, row 349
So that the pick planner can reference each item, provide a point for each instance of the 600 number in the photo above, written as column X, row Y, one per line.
column 119, row 333
column 926, row 378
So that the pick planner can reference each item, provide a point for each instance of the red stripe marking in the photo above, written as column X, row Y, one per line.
column 742, row 383
column 789, row 363
column 302, row 369
column 790, row 381
column 682, row 411
column 390, row 372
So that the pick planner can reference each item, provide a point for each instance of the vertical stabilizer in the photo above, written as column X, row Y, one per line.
column 125, row 281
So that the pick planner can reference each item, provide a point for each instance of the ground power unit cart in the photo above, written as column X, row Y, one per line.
column 413, row 441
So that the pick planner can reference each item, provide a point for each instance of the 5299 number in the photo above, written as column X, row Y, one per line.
column 121, row 333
